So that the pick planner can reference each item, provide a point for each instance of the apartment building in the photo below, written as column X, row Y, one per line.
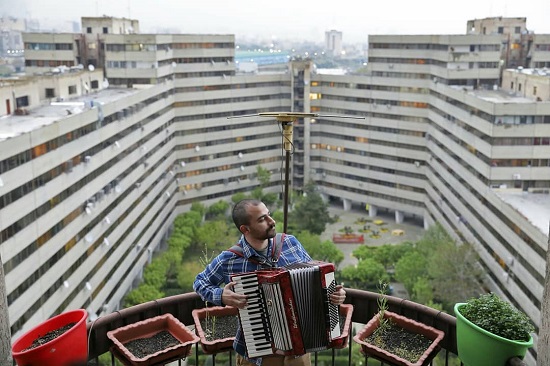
column 87, row 197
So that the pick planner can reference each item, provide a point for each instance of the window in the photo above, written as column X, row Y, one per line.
column 105, row 30
column 519, row 87
column 50, row 93
column 72, row 89
column 534, row 90
column 500, row 30
column 517, row 30
column 95, row 84
column 22, row 101
column 88, row 30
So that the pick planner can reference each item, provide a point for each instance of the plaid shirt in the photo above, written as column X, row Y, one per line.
column 218, row 272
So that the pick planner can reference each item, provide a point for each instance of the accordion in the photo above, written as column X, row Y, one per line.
column 289, row 311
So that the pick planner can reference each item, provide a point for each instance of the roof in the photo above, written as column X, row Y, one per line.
column 535, row 207
column 13, row 125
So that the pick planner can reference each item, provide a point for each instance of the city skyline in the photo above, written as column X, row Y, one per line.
column 307, row 20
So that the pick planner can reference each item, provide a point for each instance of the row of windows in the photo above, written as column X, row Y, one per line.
column 49, row 63
column 114, row 47
column 48, row 46
column 432, row 46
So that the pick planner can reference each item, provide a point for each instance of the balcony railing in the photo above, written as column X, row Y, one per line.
column 364, row 302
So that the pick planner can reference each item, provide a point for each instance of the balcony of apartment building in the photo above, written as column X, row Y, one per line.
column 364, row 304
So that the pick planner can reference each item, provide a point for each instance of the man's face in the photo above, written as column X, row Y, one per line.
column 261, row 225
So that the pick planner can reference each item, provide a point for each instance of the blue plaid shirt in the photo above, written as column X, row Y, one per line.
column 208, row 283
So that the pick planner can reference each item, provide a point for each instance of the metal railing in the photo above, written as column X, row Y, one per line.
column 364, row 302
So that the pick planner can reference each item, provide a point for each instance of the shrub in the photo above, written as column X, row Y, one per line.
column 499, row 317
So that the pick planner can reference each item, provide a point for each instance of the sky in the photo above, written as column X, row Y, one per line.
column 286, row 19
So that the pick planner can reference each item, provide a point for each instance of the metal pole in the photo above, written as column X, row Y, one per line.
column 287, row 145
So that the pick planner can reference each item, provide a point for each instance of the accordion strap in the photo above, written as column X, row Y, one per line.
column 275, row 252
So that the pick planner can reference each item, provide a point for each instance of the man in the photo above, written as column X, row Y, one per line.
column 254, row 221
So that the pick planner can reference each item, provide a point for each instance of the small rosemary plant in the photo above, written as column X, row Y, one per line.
column 382, row 302
column 210, row 322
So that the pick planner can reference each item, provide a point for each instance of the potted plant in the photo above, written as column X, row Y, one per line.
column 152, row 341
column 216, row 327
column 399, row 340
column 60, row 340
column 489, row 331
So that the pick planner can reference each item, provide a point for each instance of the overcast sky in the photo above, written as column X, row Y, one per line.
column 287, row 19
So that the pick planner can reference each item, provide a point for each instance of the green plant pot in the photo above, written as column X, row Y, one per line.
column 477, row 346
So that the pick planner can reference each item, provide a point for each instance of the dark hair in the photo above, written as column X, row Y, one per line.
column 240, row 215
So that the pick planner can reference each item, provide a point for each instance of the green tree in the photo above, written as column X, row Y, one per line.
column 143, row 293
column 264, row 176
column 422, row 291
column 310, row 212
column 454, row 273
column 366, row 274
column 216, row 235
column 217, row 210
column 237, row 197
column 325, row 251
column 410, row 268
column 363, row 252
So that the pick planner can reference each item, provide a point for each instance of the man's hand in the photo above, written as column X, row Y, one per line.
column 338, row 296
column 233, row 299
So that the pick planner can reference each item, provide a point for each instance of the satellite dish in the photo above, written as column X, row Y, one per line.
column 91, row 67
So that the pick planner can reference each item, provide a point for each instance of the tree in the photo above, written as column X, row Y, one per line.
column 217, row 210
column 410, row 268
column 310, row 212
column 264, row 176
column 216, row 235
column 325, row 251
column 367, row 273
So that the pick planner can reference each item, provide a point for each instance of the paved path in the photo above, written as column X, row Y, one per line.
column 411, row 232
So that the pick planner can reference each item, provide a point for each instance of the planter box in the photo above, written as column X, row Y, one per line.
column 431, row 333
column 346, row 311
column 217, row 345
column 146, row 329
column 70, row 348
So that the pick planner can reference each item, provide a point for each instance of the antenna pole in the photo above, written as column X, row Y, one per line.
column 287, row 145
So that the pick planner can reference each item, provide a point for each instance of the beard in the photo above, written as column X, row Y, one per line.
column 271, row 232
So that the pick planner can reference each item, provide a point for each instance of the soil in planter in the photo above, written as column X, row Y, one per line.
column 400, row 342
column 143, row 347
column 219, row 327
column 50, row 336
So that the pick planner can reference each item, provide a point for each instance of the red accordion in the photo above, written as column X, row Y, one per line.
column 289, row 310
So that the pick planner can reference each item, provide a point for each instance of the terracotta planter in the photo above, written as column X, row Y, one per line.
column 146, row 329
column 431, row 333
column 217, row 345
column 346, row 310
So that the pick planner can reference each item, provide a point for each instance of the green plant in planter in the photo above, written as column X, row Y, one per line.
column 499, row 317
column 490, row 331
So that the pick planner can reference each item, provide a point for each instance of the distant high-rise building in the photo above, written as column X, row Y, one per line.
column 333, row 42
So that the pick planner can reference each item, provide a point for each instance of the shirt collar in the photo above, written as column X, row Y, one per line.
column 249, row 252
